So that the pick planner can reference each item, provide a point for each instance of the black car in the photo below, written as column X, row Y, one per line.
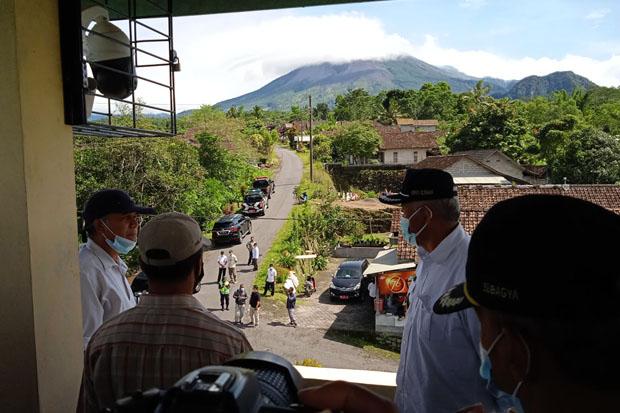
column 231, row 228
column 264, row 184
column 348, row 282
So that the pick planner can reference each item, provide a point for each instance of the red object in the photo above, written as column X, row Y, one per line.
column 394, row 282
column 379, row 305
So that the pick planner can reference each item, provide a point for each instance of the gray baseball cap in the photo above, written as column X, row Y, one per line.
column 170, row 238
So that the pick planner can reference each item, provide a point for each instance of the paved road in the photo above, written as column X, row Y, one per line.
column 264, row 229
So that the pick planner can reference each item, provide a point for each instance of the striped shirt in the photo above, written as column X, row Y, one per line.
column 154, row 345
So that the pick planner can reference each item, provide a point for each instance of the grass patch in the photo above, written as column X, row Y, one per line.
column 365, row 341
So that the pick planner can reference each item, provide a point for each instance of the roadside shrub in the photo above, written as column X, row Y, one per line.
column 308, row 362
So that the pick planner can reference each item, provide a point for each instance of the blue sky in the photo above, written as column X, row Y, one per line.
column 227, row 55
column 543, row 28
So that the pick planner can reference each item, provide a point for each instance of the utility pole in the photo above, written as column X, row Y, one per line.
column 310, row 130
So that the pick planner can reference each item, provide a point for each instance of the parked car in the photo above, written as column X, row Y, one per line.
column 254, row 202
column 349, row 282
column 231, row 228
column 264, row 184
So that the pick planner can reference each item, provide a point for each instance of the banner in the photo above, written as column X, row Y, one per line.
column 396, row 282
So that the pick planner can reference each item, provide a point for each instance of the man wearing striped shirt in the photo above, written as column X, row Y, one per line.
column 169, row 333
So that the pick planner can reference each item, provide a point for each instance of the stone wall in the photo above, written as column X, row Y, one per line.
column 375, row 178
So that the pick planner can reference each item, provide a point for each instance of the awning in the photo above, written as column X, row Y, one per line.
column 387, row 260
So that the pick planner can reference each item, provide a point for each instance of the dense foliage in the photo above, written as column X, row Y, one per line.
column 558, row 131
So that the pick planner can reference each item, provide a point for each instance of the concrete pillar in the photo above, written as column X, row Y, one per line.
column 40, row 341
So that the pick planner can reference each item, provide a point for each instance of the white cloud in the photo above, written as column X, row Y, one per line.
column 224, row 56
column 598, row 14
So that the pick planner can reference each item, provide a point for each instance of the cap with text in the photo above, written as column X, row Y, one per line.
column 422, row 185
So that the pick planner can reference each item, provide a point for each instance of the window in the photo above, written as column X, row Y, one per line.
column 415, row 156
column 395, row 157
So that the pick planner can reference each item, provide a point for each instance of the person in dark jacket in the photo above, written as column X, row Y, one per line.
column 255, row 306
column 240, row 297
column 291, row 299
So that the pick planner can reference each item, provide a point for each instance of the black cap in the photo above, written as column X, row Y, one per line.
column 422, row 185
column 110, row 201
column 542, row 256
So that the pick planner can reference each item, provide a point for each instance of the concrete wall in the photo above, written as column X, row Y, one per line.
column 411, row 128
column 405, row 156
column 40, row 314
column 356, row 252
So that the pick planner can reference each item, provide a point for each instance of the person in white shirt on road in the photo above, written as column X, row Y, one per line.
column 222, row 262
column 255, row 256
column 232, row 266
column 270, row 282
column 111, row 221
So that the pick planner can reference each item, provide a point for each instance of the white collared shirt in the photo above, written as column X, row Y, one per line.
column 255, row 253
column 105, row 289
column 222, row 261
column 271, row 274
column 439, row 361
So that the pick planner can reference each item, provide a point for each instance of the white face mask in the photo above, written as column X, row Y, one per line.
column 411, row 237
column 119, row 244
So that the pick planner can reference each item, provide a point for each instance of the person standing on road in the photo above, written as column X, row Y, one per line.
column 111, row 221
column 224, row 294
column 255, row 256
column 240, row 297
column 291, row 300
column 222, row 262
column 255, row 306
column 372, row 291
column 439, row 363
column 232, row 266
column 250, row 245
column 270, row 282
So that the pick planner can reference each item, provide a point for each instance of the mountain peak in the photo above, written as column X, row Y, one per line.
column 324, row 81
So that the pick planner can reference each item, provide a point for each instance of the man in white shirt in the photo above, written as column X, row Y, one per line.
column 222, row 262
column 255, row 256
column 270, row 283
column 372, row 290
column 232, row 266
column 111, row 221
column 439, row 360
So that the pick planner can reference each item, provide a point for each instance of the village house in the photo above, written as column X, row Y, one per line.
column 508, row 167
column 406, row 148
column 417, row 125
column 467, row 170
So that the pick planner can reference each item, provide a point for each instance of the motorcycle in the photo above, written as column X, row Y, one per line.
column 309, row 286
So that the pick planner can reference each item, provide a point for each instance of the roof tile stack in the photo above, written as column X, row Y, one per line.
column 476, row 200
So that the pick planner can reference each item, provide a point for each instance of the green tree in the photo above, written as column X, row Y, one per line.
column 357, row 140
column 495, row 124
column 591, row 156
column 356, row 104
column 257, row 112
column 321, row 111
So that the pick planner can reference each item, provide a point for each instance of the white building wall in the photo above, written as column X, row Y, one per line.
column 405, row 156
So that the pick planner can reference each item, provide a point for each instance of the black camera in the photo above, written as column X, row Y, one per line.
column 252, row 382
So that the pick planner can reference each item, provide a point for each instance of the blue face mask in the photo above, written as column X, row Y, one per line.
column 410, row 237
column 505, row 401
column 120, row 245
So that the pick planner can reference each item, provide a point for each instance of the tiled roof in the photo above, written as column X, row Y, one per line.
column 476, row 200
column 535, row 170
column 416, row 122
column 479, row 154
column 438, row 162
column 407, row 140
